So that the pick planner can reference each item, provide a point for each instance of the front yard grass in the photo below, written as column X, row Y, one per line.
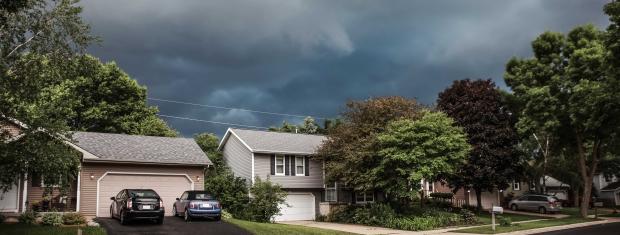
column 269, row 228
column 524, row 226
column 485, row 218
column 25, row 229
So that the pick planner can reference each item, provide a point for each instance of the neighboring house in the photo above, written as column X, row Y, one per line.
column 285, row 159
column 608, row 189
column 111, row 162
column 488, row 199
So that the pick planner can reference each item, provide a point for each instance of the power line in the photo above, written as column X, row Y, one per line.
column 231, row 108
column 213, row 122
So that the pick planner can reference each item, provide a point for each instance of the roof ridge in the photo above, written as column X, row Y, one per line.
column 279, row 132
column 124, row 134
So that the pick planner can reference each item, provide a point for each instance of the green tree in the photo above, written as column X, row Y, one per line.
column 309, row 126
column 494, row 160
column 569, row 91
column 266, row 200
column 352, row 149
column 230, row 190
column 429, row 148
column 209, row 143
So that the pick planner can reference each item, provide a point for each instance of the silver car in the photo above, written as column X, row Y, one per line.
column 536, row 202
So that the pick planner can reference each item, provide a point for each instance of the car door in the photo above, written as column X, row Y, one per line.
column 115, row 203
column 182, row 203
column 526, row 203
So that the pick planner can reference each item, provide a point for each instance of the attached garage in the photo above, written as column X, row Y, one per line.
column 112, row 162
column 301, row 206
column 169, row 187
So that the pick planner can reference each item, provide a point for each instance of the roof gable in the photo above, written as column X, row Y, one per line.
column 612, row 187
column 140, row 149
column 275, row 142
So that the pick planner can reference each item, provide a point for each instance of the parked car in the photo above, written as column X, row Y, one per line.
column 133, row 204
column 536, row 202
column 194, row 204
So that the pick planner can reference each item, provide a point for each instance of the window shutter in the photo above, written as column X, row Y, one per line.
column 293, row 166
column 35, row 180
column 307, row 165
column 287, row 163
column 272, row 166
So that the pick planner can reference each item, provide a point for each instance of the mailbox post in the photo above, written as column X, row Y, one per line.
column 495, row 210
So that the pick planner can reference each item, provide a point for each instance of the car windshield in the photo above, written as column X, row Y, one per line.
column 142, row 193
column 200, row 196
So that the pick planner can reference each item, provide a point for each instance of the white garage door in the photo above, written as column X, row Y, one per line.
column 168, row 187
column 301, row 207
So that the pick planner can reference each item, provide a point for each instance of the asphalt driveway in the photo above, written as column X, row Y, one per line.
column 172, row 226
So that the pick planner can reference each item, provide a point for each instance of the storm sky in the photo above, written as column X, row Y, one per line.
column 310, row 57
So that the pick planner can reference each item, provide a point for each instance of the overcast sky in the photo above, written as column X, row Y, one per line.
column 309, row 57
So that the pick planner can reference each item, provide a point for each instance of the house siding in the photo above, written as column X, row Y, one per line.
column 262, row 166
column 35, row 195
column 88, row 192
column 9, row 128
column 238, row 158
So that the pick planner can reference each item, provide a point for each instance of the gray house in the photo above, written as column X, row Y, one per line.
column 284, row 158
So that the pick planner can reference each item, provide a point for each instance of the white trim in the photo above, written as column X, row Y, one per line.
column 365, row 193
column 79, row 183
column 135, row 173
column 275, row 165
column 253, row 176
column 227, row 135
column 25, row 192
column 283, row 152
column 518, row 184
column 303, row 165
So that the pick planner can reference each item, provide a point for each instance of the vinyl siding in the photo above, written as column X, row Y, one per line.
column 314, row 180
column 238, row 158
column 35, row 194
column 88, row 193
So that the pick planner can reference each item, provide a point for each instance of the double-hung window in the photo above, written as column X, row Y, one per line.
column 364, row 197
column 516, row 186
column 300, row 166
column 279, row 165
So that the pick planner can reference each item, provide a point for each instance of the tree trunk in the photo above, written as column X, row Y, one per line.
column 587, row 173
column 478, row 200
column 576, row 197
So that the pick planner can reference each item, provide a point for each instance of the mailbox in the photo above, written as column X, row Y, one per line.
column 598, row 204
column 497, row 210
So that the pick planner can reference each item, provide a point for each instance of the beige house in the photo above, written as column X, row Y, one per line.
column 109, row 163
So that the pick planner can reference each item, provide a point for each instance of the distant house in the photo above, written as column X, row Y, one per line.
column 608, row 189
column 109, row 163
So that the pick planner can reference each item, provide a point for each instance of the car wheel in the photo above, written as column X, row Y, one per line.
column 186, row 216
column 542, row 210
column 514, row 207
column 123, row 219
column 160, row 220
column 218, row 218
column 174, row 211
column 111, row 213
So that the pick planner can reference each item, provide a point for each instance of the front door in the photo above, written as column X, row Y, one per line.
column 9, row 201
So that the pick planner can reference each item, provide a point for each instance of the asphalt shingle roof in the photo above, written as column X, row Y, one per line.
column 279, row 142
column 611, row 187
column 144, row 149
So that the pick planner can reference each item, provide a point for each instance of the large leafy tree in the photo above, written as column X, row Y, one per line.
column 53, row 29
column 429, row 148
column 209, row 143
column 352, row 150
column 569, row 89
column 494, row 160
column 309, row 126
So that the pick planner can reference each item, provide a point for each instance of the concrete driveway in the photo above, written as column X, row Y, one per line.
column 172, row 226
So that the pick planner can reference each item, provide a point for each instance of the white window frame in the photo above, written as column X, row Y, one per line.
column 303, row 166
column 334, row 189
column 275, row 163
column 369, row 197
column 516, row 186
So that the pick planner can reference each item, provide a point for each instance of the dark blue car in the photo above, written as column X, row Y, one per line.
column 197, row 204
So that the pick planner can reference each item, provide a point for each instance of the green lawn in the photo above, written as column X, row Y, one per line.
column 524, row 226
column 23, row 229
column 269, row 228
column 485, row 218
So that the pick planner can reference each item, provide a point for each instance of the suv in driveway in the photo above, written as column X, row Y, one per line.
column 130, row 204
column 536, row 202
column 193, row 204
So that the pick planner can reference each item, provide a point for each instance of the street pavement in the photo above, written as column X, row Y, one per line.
column 598, row 229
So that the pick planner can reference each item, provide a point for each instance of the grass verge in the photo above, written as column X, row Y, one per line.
column 23, row 229
column 524, row 226
column 269, row 228
column 485, row 218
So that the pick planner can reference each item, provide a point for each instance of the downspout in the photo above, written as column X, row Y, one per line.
column 79, row 183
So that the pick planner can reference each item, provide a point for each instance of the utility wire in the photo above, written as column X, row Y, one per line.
column 213, row 122
column 230, row 108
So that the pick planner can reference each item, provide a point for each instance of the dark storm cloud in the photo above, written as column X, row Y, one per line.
column 310, row 57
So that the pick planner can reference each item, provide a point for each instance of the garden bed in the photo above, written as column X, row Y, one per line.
column 32, row 229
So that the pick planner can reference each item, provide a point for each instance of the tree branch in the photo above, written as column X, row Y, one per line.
column 23, row 44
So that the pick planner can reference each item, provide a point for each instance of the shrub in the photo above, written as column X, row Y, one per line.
column 265, row 201
column 424, row 222
column 320, row 218
column 73, row 218
column 231, row 191
column 226, row 214
column 28, row 217
column 468, row 217
column 504, row 221
column 439, row 195
column 375, row 214
column 342, row 214
column 2, row 218
column 51, row 219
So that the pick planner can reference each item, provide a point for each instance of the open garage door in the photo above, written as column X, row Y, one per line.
column 301, row 207
column 169, row 187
